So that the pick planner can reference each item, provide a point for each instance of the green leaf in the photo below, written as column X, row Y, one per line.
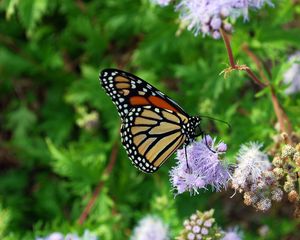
column 21, row 121
column 31, row 12
column 11, row 8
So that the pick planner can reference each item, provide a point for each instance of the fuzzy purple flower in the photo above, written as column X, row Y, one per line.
column 72, row 236
column 232, row 234
column 201, row 168
column 208, row 16
column 151, row 228
column 200, row 225
column 292, row 75
column 53, row 236
column 87, row 235
column 252, row 163
column 162, row 3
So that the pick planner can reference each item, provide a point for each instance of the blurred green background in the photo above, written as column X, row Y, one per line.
column 58, row 127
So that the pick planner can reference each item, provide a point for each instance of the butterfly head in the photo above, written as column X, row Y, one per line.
column 193, row 129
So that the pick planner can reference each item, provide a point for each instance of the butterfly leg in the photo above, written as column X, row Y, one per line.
column 206, row 143
column 189, row 170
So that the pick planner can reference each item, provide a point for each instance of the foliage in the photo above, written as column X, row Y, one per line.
column 54, row 149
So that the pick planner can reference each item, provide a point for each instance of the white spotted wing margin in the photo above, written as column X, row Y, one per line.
column 151, row 135
column 120, row 86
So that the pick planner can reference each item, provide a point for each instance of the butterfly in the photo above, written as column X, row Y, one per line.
column 153, row 125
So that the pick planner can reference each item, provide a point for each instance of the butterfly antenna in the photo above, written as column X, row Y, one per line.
column 219, row 120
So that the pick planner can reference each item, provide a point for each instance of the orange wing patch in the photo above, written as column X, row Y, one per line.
column 161, row 103
column 155, row 101
column 137, row 101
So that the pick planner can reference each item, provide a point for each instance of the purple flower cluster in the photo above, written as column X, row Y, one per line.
column 203, row 225
column 87, row 235
column 201, row 168
column 251, row 164
column 200, row 225
column 292, row 76
column 208, row 16
column 162, row 3
column 150, row 228
column 232, row 234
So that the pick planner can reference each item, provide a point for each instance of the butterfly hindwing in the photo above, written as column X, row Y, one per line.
column 128, row 91
column 151, row 135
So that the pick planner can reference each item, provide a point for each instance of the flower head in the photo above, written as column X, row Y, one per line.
column 292, row 75
column 162, row 3
column 55, row 236
column 264, row 204
column 208, row 16
column 200, row 225
column 70, row 236
column 87, row 121
column 286, row 171
column 201, row 168
column 252, row 162
column 255, row 178
column 232, row 234
column 150, row 228
column 87, row 235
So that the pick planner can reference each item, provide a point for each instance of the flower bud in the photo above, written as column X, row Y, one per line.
column 296, row 158
column 216, row 23
column 206, row 19
column 292, row 177
column 297, row 211
column 263, row 230
column 278, row 172
column 287, row 151
column 288, row 186
column 277, row 194
column 224, row 12
column 216, row 35
column 264, row 204
column 250, row 198
column 261, row 184
column 227, row 27
column 222, row 147
column 277, row 161
column 269, row 177
column 199, row 226
column 205, row 29
column 293, row 196
column 284, row 136
column 297, row 147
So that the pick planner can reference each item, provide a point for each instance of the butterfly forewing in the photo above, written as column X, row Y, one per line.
column 151, row 135
column 128, row 91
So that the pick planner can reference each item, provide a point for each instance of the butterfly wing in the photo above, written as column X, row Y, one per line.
column 151, row 135
column 128, row 91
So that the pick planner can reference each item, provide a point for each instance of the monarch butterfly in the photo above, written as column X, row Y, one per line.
column 153, row 125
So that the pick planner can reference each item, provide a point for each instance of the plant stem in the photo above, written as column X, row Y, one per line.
column 284, row 122
column 107, row 171
column 228, row 47
column 234, row 66
column 258, row 63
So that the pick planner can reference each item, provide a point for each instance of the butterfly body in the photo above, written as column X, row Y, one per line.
column 153, row 125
